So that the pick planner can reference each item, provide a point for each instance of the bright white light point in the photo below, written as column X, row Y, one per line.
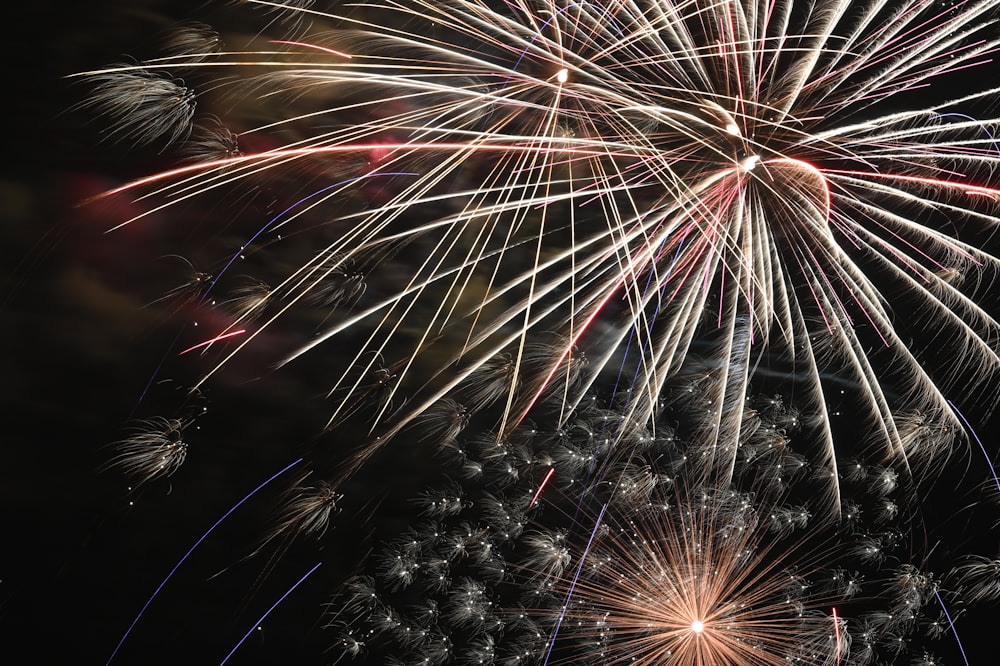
column 562, row 75
column 749, row 163
column 733, row 129
column 697, row 626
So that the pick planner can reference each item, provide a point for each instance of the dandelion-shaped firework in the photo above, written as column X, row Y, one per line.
column 695, row 583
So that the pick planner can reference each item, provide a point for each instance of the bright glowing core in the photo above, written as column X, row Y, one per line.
column 750, row 162
column 697, row 626
column 562, row 75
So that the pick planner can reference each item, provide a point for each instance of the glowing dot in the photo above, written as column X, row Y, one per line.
column 731, row 128
column 697, row 626
column 562, row 75
column 750, row 162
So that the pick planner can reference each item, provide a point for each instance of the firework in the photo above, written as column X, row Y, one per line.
column 156, row 449
column 693, row 582
column 634, row 557
column 558, row 226
column 647, row 179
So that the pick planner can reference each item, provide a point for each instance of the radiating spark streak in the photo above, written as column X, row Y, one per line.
column 572, row 587
column 220, row 336
column 975, row 121
column 541, row 487
column 567, row 350
column 191, row 550
column 282, row 154
column 936, row 182
column 951, row 625
column 836, row 634
column 316, row 47
column 256, row 624
column 975, row 436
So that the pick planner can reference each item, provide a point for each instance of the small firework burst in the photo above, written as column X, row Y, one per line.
column 155, row 450
column 697, row 578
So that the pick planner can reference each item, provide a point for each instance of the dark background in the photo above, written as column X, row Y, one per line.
column 76, row 351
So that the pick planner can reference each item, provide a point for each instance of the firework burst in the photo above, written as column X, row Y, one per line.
column 648, row 179
column 469, row 216
column 609, row 547
column 695, row 582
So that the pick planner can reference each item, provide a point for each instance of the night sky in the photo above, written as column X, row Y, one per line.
column 78, row 346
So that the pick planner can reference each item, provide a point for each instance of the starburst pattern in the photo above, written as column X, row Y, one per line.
column 695, row 581
column 554, row 252
column 645, row 176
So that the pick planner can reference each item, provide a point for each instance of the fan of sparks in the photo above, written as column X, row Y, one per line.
column 636, row 180
column 695, row 584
